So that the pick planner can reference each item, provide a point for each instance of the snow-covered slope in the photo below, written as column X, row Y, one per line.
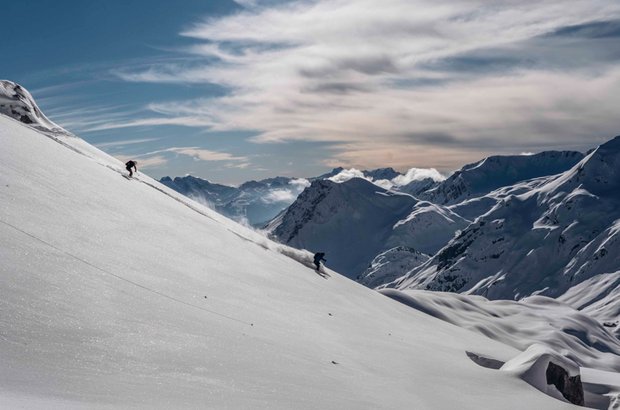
column 598, row 296
column 121, row 293
column 545, row 329
column 477, row 179
column 428, row 228
column 423, row 232
column 543, row 241
column 532, row 320
column 416, row 187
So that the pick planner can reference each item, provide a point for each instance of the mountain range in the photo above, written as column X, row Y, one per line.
column 506, row 227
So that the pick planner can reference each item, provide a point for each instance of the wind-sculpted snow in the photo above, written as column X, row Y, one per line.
column 543, row 329
column 120, row 293
column 541, row 241
column 599, row 297
column 520, row 324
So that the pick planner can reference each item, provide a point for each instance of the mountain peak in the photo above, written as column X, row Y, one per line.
column 16, row 102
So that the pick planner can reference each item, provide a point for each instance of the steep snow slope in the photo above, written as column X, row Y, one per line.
column 423, row 232
column 542, row 241
column 428, row 228
column 390, row 265
column 121, row 293
column 415, row 188
column 477, row 179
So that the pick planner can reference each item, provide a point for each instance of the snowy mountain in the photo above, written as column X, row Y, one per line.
column 598, row 296
column 540, row 242
column 381, row 173
column 120, row 293
column 254, row 202
column 480, row 178
column 201, row 190
column 16, row 102
column 258, row 203
column 354, row 221
column 417, row 187
column 350, row 221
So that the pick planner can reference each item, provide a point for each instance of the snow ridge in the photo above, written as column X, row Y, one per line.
column 16, row 102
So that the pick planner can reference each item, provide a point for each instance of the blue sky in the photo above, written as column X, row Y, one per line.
column 232, row 91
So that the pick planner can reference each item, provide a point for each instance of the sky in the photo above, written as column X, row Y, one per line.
column 249, row 89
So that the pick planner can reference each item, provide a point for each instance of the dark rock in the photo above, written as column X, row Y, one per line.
column 570, row 387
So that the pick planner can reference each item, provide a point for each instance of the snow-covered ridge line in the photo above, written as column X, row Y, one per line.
column 17, row 103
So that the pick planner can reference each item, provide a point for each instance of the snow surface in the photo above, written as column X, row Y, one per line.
column 598, row 296
column 544, row 329
column 120, row 293
column 520, row 324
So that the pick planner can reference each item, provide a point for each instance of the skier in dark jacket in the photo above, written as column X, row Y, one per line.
column 131, row 164
column 318, row 257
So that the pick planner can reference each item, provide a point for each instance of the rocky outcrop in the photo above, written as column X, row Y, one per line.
column 570, row 387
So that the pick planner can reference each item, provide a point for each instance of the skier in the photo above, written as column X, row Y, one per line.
column 318, row 257
column 131, row 164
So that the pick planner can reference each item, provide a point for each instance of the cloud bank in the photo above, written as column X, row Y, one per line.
column 403, row 82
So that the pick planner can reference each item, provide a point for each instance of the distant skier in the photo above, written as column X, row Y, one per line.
column 318, row 257
column 131, row 164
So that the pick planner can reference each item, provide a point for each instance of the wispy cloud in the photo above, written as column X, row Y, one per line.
column 205, row 154
column 161, row 157
column 403, row 82
column 122, row 143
